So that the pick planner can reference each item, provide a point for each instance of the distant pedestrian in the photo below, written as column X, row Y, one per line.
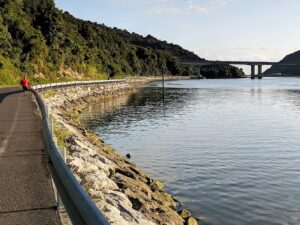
column 25, row 84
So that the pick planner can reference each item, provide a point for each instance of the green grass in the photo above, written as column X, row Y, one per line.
column 49, row 94
column 61, row 135
column 9, row 74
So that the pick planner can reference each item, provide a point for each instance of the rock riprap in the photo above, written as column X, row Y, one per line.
column 125, row 195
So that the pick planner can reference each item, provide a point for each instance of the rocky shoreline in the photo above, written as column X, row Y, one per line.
column 124, row 194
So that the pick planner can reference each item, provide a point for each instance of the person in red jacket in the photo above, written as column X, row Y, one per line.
column 25, row 84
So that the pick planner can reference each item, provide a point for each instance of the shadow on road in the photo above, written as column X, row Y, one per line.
column 3, row 95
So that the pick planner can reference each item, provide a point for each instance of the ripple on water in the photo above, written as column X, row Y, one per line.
column 228, row 149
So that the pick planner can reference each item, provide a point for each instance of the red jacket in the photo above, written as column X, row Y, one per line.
column 25, row 83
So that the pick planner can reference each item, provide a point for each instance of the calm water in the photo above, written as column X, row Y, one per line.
column 228, row 149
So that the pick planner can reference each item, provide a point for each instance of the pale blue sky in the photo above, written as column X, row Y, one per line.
column 213, row 29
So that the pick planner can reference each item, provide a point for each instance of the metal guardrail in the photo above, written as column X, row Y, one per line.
column 81, row 209
column 43, row 87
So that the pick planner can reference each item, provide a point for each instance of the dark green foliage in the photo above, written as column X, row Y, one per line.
column 293, row 58
column 221, row 71
column 46, row 44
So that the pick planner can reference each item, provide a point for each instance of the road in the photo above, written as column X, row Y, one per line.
column 26, row 192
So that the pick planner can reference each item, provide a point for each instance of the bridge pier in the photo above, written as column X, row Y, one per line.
column 189, row 70
column 259, row 73
column 195, row 76
column 199, row 71
column 252, row 71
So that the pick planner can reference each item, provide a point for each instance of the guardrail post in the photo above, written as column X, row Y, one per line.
column 46, row 109
column 63, row 153
column 32, row 96
column 51, row 124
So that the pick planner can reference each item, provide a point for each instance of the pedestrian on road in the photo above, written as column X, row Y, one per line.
column 25, row 84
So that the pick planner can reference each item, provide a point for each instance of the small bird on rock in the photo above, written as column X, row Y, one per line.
column 128, row 156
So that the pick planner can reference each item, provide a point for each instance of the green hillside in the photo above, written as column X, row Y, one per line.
column 47, row 44
column 292, row 70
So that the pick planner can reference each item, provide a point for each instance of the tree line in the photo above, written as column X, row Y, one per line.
column 48, row 44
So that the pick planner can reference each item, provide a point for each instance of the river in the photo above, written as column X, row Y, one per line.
column 229, row 150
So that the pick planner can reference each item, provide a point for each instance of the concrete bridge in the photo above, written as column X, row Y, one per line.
column 259, row 64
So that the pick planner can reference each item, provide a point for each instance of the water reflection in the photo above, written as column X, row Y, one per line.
column 146, row 104
column 230, row 150
column 293, row 96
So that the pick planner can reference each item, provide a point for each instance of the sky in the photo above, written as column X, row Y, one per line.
column 213, row 29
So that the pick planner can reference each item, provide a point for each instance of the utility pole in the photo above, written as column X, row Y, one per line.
column 163, row 88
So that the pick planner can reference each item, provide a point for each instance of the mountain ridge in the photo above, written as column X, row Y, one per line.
column 292, row 70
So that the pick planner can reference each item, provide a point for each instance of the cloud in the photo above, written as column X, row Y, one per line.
column 176, row 6
column 164, row 10
column 223, row 2
column 186, row 7
column 193, row 7
column 138, row 1
column 243, row 54
column 255, row 53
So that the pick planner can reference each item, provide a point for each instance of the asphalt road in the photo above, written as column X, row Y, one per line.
column 26, row 193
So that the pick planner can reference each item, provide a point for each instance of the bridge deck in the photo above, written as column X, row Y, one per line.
column 26, row 195
column 210, row 62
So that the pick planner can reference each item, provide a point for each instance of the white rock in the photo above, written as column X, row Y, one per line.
column 90, row 168
column 124, row 206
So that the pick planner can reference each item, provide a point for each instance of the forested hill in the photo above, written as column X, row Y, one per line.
column 153, row 43
column 292, row 58
column 47, row 44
